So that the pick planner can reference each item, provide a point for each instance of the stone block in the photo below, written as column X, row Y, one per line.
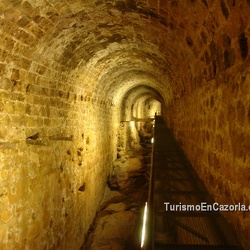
column 6, row 84
column 6, row 216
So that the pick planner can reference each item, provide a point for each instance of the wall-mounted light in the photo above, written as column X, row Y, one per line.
column 152, row 140
column 144, row 225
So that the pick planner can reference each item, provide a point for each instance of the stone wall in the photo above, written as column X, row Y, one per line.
column 70, row 71
column 213, row 127
column 210, row 115
column 56, row 151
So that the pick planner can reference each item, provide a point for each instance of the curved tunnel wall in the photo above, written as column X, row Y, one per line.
column 138, row 105
column 133, row 100
column 65, row 67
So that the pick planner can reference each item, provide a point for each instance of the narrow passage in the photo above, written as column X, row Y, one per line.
column 119, row 220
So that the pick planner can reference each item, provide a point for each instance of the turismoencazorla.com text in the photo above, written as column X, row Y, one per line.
column 204, row 207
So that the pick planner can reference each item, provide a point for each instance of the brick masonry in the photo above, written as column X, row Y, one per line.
column 70, row 71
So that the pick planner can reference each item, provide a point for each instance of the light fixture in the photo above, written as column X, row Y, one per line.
column 144, row 225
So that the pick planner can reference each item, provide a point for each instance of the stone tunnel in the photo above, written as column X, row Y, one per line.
column 73, row 71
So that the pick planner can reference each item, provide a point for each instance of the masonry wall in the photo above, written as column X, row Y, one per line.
column 211, row 115
column 213, row 127
column 66, row 69
column 57, row 146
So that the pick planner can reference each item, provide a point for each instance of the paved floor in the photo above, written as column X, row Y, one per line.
column 174, row 182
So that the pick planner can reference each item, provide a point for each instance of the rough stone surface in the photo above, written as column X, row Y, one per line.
column 118, row 223
column 112, row 208
column 75, row 77
column 113, row 230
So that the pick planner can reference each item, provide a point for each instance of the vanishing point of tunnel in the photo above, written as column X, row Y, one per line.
column 76, row 77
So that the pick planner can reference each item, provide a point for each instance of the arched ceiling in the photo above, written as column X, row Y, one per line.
column 135, row 95
column 112, row 46
column 142, row 91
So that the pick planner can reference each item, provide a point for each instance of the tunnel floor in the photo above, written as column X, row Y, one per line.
column 119, row 220
column 175, row 182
